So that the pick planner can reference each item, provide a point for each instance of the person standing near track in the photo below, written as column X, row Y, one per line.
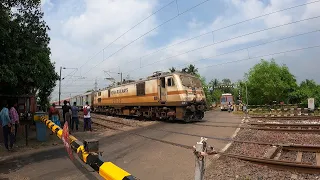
column 14, row 116
column 75, row 117
column 6, row 123
column 65, row 110
column 86, row 117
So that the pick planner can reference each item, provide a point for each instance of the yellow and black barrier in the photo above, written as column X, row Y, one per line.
column 107, row 170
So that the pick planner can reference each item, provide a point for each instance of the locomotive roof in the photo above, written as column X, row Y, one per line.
column 163, row 74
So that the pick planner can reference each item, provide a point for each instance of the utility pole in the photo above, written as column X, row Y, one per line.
column 60, row 79
column 60, row 85
column 95, row 85
column 121, row 77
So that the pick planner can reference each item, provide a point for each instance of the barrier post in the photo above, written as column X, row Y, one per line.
column 201, row 149
column 107, row 170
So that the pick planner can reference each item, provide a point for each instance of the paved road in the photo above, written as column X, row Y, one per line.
column 144, row 158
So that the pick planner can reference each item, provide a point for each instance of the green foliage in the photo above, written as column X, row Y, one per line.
column 205, row 89
column 24, row 57
column 307, row 89
column 216, row 94
column 172, row 69
column 268, row 82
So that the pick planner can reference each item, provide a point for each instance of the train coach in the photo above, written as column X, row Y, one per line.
column 82, row 99
column 167, row 96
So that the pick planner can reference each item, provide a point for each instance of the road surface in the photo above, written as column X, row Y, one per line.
column 142, row 157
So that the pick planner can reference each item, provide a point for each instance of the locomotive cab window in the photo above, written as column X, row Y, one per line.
column 99, row 93
column 170, row 82
column 163, row 82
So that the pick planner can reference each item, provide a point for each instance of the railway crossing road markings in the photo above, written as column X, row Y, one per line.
column 216, row 156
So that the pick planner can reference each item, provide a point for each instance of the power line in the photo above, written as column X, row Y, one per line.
column 229, row 40
column 271, row 54
column 134, row 26
column 149, row 32
column 249, row 47
column 246, row 48
column 230, row 25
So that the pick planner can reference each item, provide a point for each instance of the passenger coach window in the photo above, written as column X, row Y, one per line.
column 170, row 82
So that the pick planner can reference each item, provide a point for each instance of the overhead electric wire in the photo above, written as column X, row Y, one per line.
column 271, row 54
column 230, row 25
column 123, row 47
column 134, row 26
column 227, row 40
column 246, row 48
column 207, row 32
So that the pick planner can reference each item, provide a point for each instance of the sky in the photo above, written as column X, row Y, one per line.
column 97, row 39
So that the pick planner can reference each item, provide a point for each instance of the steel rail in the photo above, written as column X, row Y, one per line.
column 285, row 125
column 147, row 137
column 286, row 165
column 286, row 117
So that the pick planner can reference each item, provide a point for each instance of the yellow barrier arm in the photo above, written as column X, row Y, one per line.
column 107, row 170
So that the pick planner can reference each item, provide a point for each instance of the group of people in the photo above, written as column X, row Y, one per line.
column 70, row 115
column 9, row 120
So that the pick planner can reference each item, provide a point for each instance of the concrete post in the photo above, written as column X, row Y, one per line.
column 200, row 150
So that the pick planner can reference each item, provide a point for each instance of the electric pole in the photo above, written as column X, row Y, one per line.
column 60, row 85
column 121, row 76
column 96, row 85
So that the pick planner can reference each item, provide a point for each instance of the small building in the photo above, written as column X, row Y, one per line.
column 27, row 104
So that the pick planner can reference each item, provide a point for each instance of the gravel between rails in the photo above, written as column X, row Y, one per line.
column 232, row 168
column 278, row 137
column 309, row 157
column 288, row 156
column 246, row 149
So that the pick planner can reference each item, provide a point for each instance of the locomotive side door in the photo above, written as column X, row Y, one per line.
column 162, row 89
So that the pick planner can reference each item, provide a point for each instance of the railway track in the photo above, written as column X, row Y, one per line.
column 271, row 159
column 287, row 117
column 140, row 135
column 273, row 156
column 181, row 133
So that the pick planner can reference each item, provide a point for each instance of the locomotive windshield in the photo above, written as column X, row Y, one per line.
column 190, row 81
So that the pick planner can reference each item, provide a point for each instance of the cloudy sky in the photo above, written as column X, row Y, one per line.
column 138, row 37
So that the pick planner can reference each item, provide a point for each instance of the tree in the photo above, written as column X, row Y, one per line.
column 191, row 69
column 268, row 82
column 24, row 57
column 226, row 81
column 172, row 69
column 307, row 89
column 216, row 95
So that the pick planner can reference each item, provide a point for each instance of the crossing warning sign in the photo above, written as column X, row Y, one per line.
column 311, row 103
column 66, row 140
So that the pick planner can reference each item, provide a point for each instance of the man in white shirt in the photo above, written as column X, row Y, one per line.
column 87, row 117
